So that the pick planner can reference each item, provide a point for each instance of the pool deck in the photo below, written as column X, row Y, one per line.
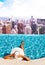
column 19, row 62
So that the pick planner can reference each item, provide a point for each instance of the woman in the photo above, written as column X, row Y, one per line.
column 18, row 53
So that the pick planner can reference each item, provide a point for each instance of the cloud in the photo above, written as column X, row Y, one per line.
column 1, row 4
column 28, row 8
column 4, row 12
column 5, row 8
column 23, row 8
column 38, row 7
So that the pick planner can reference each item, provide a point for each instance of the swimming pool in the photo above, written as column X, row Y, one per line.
column 34, row 46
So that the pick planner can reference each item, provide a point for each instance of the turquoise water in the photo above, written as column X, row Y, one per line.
column 34, row 46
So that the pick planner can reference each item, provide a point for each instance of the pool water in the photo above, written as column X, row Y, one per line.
column 34, row 45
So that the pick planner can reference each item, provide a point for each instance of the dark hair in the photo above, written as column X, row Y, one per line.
column 20, row 28
column 4, row 29
column 34, row 28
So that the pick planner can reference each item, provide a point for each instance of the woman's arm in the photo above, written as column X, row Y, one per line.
column 22, row 45
column 10, row 56
column 24, row 57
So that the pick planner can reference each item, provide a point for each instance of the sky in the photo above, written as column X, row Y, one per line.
column 22, row 8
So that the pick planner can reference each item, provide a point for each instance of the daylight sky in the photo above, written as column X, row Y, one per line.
column 22, row 8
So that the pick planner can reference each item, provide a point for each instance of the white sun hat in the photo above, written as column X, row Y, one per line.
column 17, row 51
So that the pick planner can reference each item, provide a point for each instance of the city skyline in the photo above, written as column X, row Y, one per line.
column 22, row 8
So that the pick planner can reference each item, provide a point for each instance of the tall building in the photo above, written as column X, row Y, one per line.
column 41, row 21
